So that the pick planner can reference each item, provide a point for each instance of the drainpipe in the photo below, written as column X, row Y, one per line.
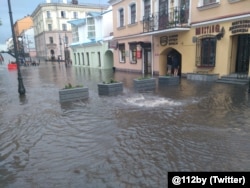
column 152, row 56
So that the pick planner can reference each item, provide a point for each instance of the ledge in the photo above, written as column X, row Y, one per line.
column 205, row 7
column 202, row 76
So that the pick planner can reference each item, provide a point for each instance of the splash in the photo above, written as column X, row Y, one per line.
column 150, row 101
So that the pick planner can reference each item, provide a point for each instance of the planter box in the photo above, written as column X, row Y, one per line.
column 110, row 89
column 73, row 94
column 147, row 84
column 169, row 80
column 202, row 77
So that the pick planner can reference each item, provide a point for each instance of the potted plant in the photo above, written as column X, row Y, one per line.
column 71, row 93
column 144, row 83
column 169, row 79
column 111, row 87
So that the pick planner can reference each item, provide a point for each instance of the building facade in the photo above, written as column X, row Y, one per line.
column 90, row 47
column 209, row 36
column 52, row 30
column 28, row 43
column 19, row 27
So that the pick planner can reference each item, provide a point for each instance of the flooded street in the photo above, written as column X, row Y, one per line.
column 130, row 140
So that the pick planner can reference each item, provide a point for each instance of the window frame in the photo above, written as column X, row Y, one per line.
column 122, row 56
column 132, row 13
column 48, row 14
column 91, row 28
column 63, row 14
column 203, row 45
column 51, row 40
column 64, row 27
column 202, row 5
column 121, row 17
column 50, row 27
column 132, row 53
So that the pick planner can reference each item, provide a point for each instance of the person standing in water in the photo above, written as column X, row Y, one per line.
column 176, row 65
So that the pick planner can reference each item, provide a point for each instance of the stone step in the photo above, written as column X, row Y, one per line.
column 232, row 81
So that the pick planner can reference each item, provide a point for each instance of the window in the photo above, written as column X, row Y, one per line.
column 75, row 15
column 132, row 13
column 66, row 40
column 122, row 53
column 50, row 27
column 207, row 2
column 48, row 14
column 64, row 27
column 121, row 17
column 51, row 40
column 75, row 34
column 206, row 51
column 132, row 52
column 147, row 8
column 63, row 14
column 91, row 28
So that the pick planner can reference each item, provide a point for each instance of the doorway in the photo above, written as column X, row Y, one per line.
column 174, row 54
column 243, row 54
column 147, row 61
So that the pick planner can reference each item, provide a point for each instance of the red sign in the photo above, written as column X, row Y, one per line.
column 138, row 54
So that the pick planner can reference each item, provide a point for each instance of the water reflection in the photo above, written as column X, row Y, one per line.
column 130, row 140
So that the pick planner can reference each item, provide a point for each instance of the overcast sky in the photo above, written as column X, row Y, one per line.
column 22, row 8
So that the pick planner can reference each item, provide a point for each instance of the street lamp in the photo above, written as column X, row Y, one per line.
column 21, row 88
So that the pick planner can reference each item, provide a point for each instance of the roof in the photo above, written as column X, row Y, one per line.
column 77, row 22
column 94, row 14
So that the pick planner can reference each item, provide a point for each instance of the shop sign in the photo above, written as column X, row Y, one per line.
column 113, row 44
column 169, row 40
column 240, row 26
column 207, row 29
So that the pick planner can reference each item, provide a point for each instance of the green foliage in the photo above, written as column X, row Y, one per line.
column 111, row 81
column 69, row 86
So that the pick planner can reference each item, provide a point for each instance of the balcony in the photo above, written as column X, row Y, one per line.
column 174, row 18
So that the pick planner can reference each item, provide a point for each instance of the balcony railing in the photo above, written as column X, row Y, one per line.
column 175, row 17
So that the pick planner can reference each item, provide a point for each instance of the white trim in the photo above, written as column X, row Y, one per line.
column 222, row 20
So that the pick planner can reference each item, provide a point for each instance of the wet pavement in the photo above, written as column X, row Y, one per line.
column 129, row 140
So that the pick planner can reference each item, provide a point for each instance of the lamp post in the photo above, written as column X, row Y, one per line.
column 21, row 88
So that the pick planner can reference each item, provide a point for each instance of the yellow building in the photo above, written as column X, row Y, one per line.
column 206, row 36
column 23, row 24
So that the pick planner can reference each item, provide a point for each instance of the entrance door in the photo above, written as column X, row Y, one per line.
column 243, row 53
column 147, row 61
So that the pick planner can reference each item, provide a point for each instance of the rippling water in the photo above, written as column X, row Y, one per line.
column 130, row 140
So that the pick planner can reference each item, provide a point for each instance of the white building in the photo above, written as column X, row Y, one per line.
column 52, row 30
column 28, row 42
column 91, row 35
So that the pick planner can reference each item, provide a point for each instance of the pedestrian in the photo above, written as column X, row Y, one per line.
column 176, row 64
column 169, row 64
column 1, row 59
column 59, row 59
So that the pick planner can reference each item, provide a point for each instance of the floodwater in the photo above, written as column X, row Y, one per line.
column 130, row 140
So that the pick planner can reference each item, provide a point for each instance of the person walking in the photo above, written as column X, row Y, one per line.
column 1, row 59
column 169, row 64
column 176, row 65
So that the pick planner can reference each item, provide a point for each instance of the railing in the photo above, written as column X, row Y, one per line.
column 175, row 17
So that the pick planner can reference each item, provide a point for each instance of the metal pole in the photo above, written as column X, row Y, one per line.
column 21, row 88
column 249, row 85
